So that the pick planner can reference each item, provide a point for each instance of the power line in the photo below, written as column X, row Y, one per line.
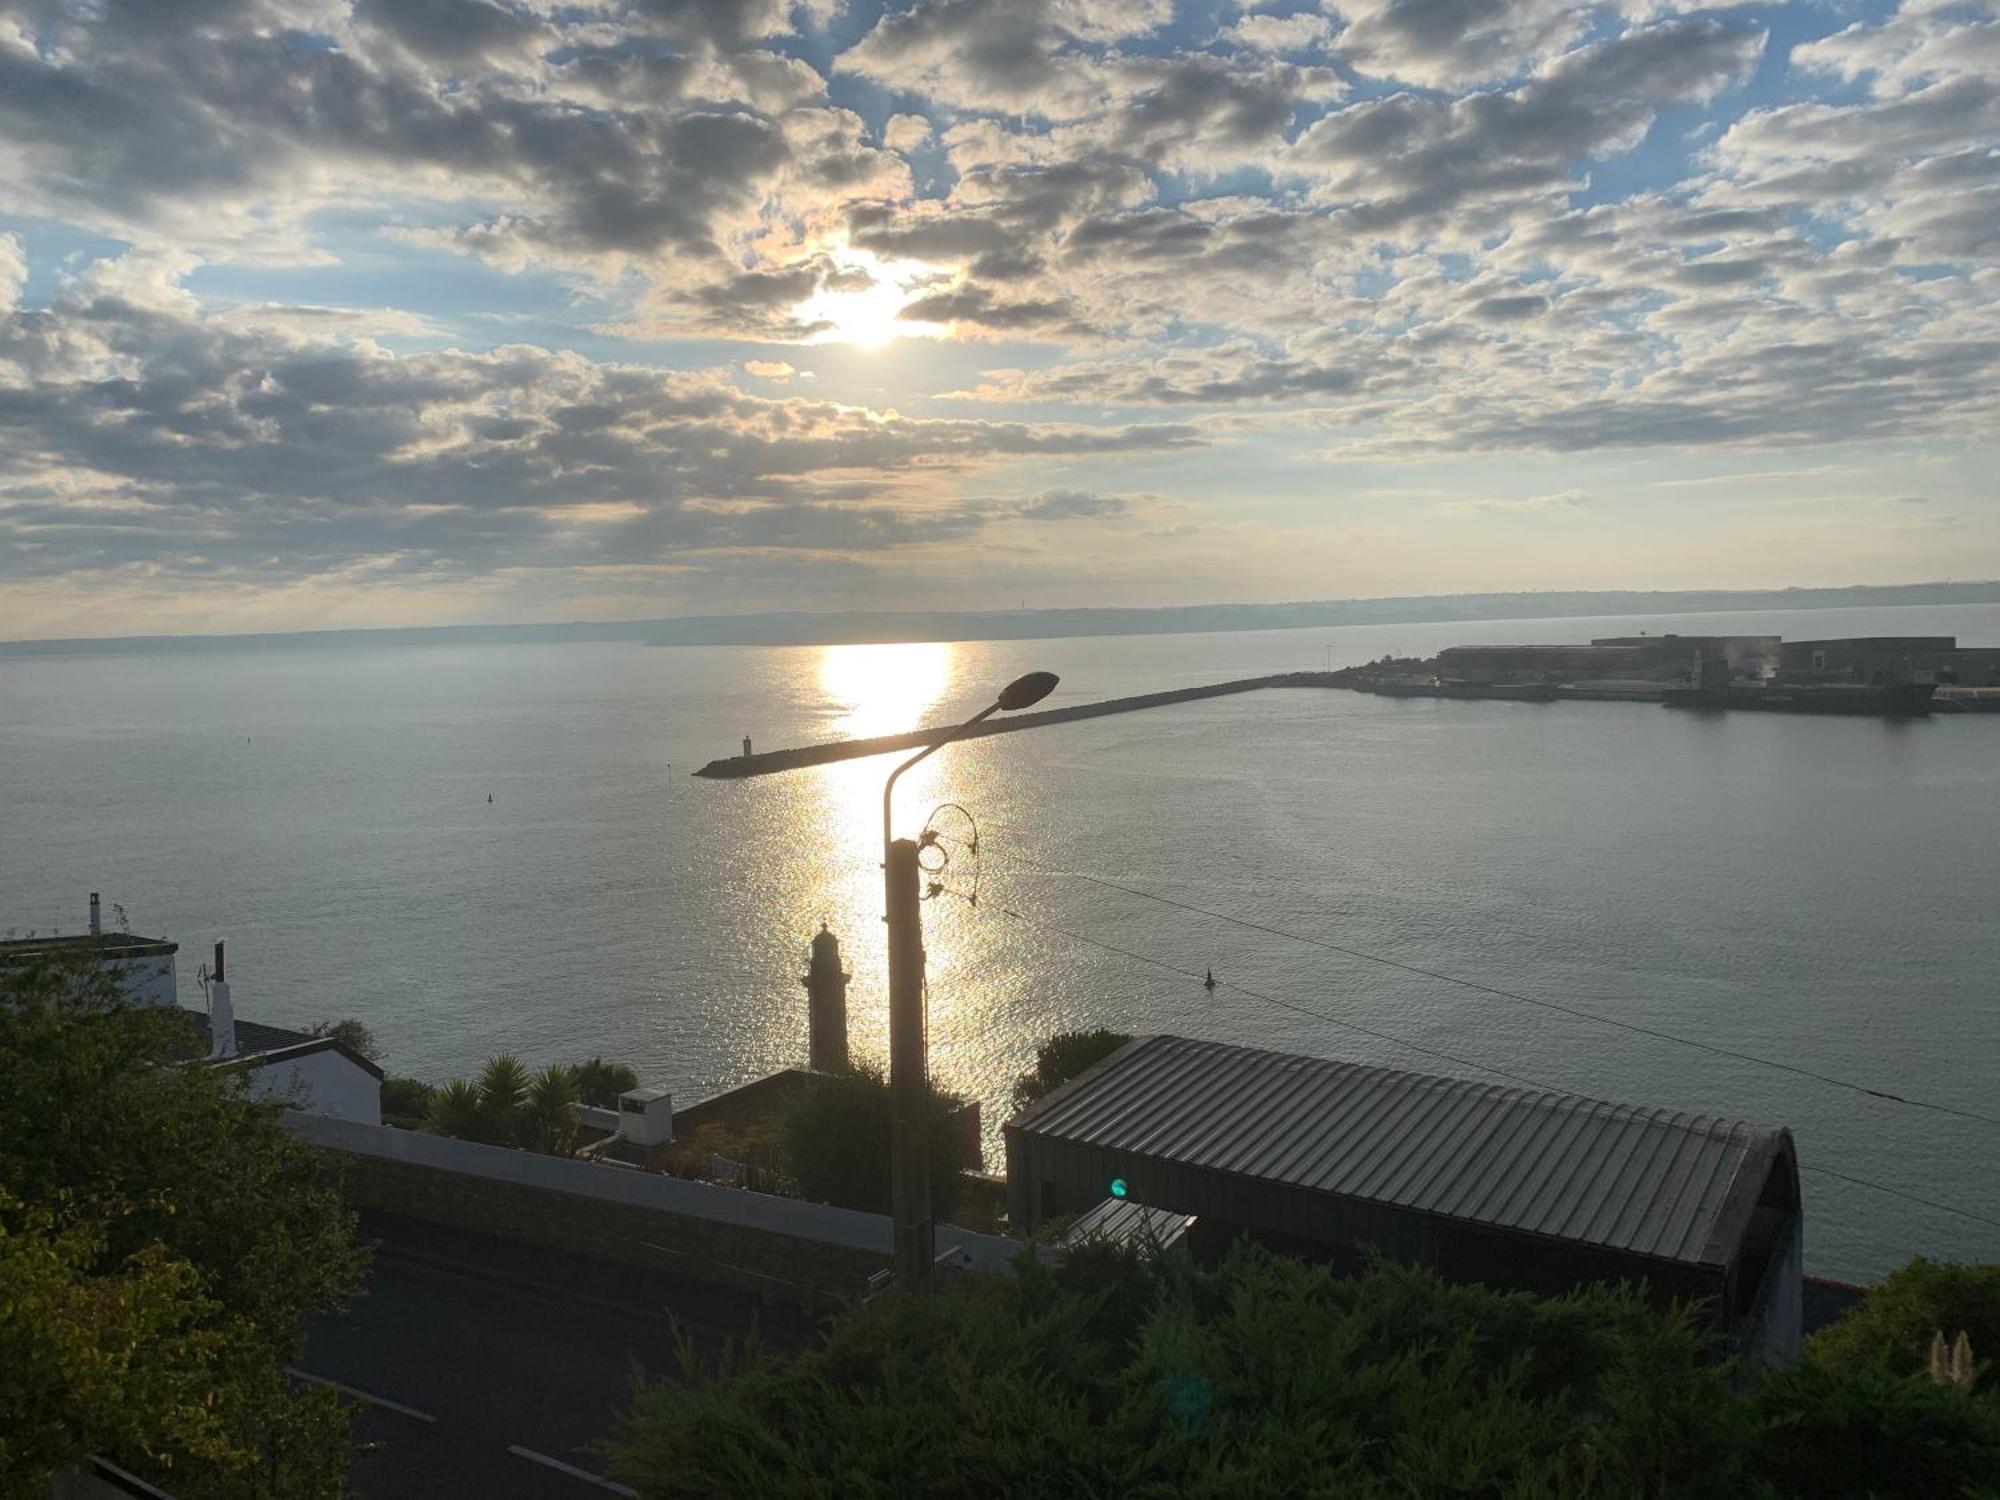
column 1963, row 1213
column 1503, row 994
column 1074, row 936
column 1385, row 1036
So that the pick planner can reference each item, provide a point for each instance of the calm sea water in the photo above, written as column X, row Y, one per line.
column 1822, row 892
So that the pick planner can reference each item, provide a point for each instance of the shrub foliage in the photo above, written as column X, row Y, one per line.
column 163, row 1240
column 1061, row 1058
column 1113, row 1375
column 836, row 1140
column 1892, row 1327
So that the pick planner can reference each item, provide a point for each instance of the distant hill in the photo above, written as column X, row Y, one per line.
column 799, row 628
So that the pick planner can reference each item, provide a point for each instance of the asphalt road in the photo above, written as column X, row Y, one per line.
column 482, row 1369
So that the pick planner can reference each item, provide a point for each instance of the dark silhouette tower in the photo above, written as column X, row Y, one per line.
column 826, row 1005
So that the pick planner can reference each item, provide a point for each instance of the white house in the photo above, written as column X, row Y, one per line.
column 315, row 1074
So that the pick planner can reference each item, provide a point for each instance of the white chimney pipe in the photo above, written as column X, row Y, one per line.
column 221, row 1015
column 96, row 920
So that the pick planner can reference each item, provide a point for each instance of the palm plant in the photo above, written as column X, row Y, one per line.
column 503, row 1086
column 456, row 1110
column 551, row 1095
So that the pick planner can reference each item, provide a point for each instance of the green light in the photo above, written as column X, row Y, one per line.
column 1118, row 1188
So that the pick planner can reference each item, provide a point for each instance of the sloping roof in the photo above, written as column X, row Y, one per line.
column 1649, row 1181
column 255, row 1040
column 109, row 945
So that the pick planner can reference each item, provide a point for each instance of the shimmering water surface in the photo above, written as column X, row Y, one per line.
column 1818, row 891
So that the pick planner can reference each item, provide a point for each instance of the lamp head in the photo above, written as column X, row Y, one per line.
column 1023, row 692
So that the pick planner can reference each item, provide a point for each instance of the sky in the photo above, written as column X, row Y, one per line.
column 321, row 313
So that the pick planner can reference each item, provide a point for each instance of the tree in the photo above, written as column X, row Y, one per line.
column 353, row 1035
column 600, row 1083
column 836, row 1140
column 1892, row 1327
column 1061, row 1058
column 165, row 1240
column 1113, row 1373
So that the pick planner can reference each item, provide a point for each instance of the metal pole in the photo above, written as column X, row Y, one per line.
column 909, row 1081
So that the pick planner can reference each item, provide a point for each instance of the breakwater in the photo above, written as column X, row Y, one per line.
column 763, row 762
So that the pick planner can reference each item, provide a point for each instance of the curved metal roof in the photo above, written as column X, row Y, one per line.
column 1652, row 1182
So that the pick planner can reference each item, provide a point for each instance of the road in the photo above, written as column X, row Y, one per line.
column 481, row 1368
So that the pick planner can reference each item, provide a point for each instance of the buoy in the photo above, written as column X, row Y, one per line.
column 489, row 796
column 1209, row 983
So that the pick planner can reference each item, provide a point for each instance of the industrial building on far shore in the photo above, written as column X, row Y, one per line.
column 1870, row 660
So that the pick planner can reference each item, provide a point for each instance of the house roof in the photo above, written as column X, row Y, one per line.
column 257, row 1042
column 118, row 945
column 1653, row 1182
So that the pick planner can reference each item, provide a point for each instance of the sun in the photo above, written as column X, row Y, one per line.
column 862, row 303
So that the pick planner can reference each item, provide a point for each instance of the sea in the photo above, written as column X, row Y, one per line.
column 502, row 847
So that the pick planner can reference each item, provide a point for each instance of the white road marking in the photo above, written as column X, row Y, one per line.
column 571, row 1469
column 373, row 1400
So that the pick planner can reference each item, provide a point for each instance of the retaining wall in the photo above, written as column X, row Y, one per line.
column 808, row 1253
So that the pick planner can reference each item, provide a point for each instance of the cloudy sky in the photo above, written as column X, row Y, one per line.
column 396, row 311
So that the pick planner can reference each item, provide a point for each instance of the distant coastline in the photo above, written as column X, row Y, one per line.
column 831, row 628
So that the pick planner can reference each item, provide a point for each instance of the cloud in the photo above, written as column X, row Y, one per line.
column 1407, row 160
column 137, row 432
column 1072, row 505
column 1451, row 43
column 906, row 132
column 769, row 369
column 1294, row 33
column 1565, row 500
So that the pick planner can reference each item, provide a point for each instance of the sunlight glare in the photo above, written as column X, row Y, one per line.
column 866, row 316
column 884, row 689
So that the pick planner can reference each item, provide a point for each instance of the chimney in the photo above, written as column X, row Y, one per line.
column 221, row 1015
column 96, row 916
column 826, row 1006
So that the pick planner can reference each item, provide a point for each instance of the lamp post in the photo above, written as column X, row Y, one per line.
column 909, row 1074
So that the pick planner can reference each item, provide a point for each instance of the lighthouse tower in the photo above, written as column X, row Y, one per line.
column 826, row 1005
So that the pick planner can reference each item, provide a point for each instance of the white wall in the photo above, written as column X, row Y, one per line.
column 149, row 981
column 321, row 1083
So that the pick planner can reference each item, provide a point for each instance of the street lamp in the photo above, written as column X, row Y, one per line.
column 909, row 1075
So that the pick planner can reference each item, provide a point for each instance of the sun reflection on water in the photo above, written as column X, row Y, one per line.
column 874, row 690
column 884, row 689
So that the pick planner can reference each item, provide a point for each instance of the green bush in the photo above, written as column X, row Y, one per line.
column 836, row 1141
column 600, row 1083
column 406, row 1098
column 1892, row 1327
column 1061, row 1058
column 1115, row 1375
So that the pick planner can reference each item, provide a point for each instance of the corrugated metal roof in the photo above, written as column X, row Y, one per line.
column 1128, row 1223
column 1650, row 1181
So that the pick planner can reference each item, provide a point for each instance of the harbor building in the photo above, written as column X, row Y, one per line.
column 1628, row 657
column 1886, row 659
column 1488, row 1182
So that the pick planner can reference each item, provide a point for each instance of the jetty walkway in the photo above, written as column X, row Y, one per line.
column 766, row 761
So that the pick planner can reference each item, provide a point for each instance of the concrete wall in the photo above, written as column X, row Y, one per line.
column 321, row 1083
column 805, row 1252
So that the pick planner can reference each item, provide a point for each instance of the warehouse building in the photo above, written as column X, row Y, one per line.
column 1514, row 1187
